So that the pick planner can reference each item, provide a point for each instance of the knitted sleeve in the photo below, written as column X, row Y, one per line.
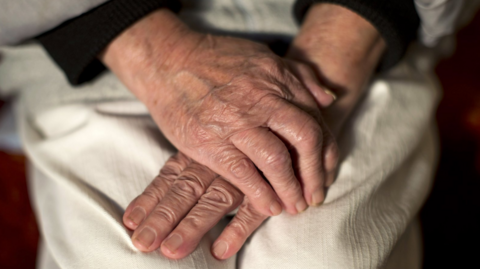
column 75, row 44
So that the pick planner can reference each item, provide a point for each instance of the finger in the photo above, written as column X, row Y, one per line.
column 271, row 156
column 221, row 197
column 323, row 96
column 183, row 194
column 329, row 151
column 306, row 102
column 303, row 135
column 239, row 170
column 141, row 206
column 231, row 240
column 330, row 156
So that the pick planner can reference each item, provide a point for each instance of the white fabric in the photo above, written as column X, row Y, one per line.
column 29, row 69
column 83, row 179
column 438, row 18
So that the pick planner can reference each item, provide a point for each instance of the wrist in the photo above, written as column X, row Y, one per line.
column 342, row 47
column 159, row 40
column 344, row 50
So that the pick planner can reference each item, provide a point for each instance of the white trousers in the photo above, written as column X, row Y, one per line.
column 89, row 161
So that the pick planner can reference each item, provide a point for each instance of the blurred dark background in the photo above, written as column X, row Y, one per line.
column 450, row 218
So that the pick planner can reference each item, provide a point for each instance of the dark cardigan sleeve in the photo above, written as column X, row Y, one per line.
column 396, row 20
column 75, row 44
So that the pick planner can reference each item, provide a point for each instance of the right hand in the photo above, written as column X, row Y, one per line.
column 187, row 199
column 232, row 105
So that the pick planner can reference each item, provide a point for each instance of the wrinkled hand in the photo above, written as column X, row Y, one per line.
column 345, row 62
column 182, row 204
column 343, row 49
column 166, row 204
column 234, row 106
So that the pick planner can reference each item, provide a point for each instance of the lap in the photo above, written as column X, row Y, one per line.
column 84, row 177
column 82, row 180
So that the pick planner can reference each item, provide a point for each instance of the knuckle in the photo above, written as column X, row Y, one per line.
column 189, row 185
column 170, row 171
column 246, row 220
column 153, row 192
column 279, row 160
column 311, row 134
column 250, row 214
column 196, row 130
column 151, row 195
column 238, row 229
column 194, row 222
column 242, row 168
column 201, row 171
column 271, row 101
column 221, row 197
column 259, row 190
column 157, row 184
column 165, row 214
column 277, row 70
column 175, row 164
column 248, row 210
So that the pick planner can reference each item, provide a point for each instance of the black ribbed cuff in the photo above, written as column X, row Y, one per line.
column 75, row 44
column 396, row 20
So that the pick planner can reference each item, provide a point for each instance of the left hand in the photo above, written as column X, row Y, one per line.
column 185, row 220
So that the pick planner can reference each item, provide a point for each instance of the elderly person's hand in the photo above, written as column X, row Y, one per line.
column 343, row 50
column 345, row 63
column 231, row 105
column 187, row 219
column 173, row 206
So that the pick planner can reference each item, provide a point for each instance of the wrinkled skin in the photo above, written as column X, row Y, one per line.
column 234, row 106
column 187, row 199
column 261, row 115
column 183, row 203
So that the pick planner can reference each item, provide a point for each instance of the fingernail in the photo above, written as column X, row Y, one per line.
column 219, row 249
column 334, row 96
column 301, row 206
column 137, row 215
column 146, row 237
column 173, row 242
column 317, row 198
column 276, row 209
